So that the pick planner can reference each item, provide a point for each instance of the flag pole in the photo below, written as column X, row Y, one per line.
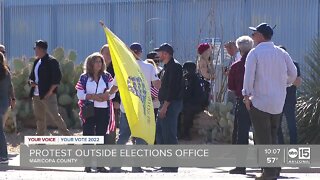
column 104, row 26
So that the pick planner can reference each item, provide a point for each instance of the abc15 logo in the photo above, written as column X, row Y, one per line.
column 300, row 153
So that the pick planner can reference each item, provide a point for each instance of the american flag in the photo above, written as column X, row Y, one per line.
column 81, row 85
column 154, row 92
column 112, row 122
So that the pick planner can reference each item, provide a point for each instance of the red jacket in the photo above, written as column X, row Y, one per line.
column 236, row 76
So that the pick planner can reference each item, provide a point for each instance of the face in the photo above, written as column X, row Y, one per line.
column 164, row 56
column 97, row 64
column 139, row 55
column 39, row 52
column 2, row 50
column 257, row 37
column 156, row 59
column 231, row 49
column 106, row 55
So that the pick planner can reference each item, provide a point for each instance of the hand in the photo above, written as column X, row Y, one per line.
column 89, row 96
column 297, row 82
column 94, row 97
column 13, row 103
column 32, row 83
column 102, row 23
column 226, row 72
column 163, row 112
column 116, row 105
column 248, row 103
column 48, row 95
column 103, row 96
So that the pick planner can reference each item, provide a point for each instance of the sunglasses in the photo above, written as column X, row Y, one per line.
column 156, row 60
column 254, row 33
column 3, row 52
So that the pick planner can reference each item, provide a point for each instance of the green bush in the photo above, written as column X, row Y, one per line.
column 308, row 107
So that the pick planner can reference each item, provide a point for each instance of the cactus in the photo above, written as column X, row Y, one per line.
column 65, row 100
column 61, row 89
column 223, row 122
column 58, row 53
column 230, row 116
column 72, row 56
column 221, row 112
column 18, row 64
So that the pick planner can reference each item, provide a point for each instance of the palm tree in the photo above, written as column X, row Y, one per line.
column 308, row 106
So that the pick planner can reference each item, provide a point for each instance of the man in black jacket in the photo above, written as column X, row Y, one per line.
column 44, row 80
column 170, row 97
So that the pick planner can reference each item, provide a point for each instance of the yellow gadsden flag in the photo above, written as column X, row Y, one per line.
column 134, row 89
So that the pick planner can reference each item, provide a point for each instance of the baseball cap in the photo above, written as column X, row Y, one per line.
column 264, row 29
column 136, row 47
column 166, row 48
column 41, row 44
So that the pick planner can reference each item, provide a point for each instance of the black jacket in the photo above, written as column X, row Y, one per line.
column 49, row 74
column 171, row 82
column 192, row 89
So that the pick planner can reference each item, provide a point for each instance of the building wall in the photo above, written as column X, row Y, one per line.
column 1, row 21
column 73, row 24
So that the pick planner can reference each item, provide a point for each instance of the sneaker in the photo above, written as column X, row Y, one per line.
column 137, row 170
column 4, row 160
column 238, row 170
column 262, row 177
column 169, row 169
column 115, row 170
column 102, row 169
column 87, row 169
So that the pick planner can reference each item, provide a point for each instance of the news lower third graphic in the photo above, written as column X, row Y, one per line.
column 80, row 151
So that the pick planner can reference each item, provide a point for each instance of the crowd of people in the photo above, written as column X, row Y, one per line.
column 262, row 83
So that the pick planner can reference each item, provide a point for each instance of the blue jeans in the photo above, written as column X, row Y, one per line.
column 125, row 132
column 289, row 110
column 166, row 130
column 3, row 142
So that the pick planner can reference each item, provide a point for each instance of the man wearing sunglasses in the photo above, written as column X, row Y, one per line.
column 269, row 70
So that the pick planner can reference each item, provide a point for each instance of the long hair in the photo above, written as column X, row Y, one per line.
column 4, row 70
column 89, row 63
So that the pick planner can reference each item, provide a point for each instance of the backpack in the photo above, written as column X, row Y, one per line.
column 193, row 82
column 205, row 92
